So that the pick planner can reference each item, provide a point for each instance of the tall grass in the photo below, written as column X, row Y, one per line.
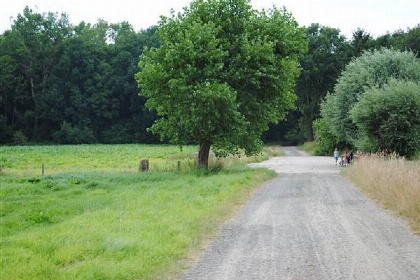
column 393, row 182
column 272, row 151
column 106, row 222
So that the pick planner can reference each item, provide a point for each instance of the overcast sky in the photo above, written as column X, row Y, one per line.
column 375, row 16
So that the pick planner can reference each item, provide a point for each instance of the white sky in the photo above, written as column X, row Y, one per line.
column 375, row 16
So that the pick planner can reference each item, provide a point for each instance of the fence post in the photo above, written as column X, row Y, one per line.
column 144, row 165
column 179, row 165
column 43, row 169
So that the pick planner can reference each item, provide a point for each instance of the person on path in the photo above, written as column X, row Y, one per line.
column 346, row 158
column 336, row 155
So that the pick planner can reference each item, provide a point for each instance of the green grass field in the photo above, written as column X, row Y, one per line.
column 93, row 216
column 28, row 160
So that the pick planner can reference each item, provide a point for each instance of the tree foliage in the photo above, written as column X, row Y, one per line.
column 401, row 40
column 328, row 53
column 389, row 118
column 360, row 42
column 56, row 77
column 372, row 69
column 72, row 84
column 223, row 72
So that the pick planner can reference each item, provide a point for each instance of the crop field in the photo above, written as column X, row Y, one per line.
column 94, row 216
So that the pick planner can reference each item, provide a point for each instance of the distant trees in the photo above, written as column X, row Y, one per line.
column 360, row 42
column 401, row 40
column 328, row 53
column 223, row 72
column 75, row 84
column 72, row 84
column 33, row 46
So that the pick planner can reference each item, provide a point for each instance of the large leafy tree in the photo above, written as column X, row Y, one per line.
column 36, row 39
column 389, row 118
column 371, row 70
column 328, row 53
column 223, row 72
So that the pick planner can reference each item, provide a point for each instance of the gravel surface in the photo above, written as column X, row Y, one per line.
column 309, row 223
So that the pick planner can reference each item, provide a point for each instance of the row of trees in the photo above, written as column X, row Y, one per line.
column 328, row 54
column 72, row 84
column 75, row 84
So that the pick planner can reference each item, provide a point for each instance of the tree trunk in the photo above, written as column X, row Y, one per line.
column 310, row 133
column 203, row 155
column 35, row 106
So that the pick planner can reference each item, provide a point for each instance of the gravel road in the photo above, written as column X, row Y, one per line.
column 309, row 223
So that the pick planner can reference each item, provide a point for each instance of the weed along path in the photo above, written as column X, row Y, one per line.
column 309, row 223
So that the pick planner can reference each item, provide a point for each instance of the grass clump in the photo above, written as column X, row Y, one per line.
column 273, row 151
column 309, row 147
column 393, row 182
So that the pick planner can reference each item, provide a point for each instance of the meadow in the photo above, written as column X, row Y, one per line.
column 94, row 216
column 391, row 181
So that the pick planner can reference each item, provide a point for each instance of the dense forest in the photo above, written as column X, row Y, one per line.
column 61, row 83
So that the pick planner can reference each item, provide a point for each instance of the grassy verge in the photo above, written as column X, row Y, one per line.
column 272, row 151
column 309, row 147
column 107, row 221
column 394, row 183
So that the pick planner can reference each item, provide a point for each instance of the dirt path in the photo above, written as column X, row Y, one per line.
column 309, row 223
column 292, row 151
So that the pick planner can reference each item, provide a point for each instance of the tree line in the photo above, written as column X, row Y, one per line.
column 61, row 83
column 72, row 84
column 328, row 54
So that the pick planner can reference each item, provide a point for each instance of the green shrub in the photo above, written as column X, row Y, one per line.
column 19, row 138
column 309, row 147
column 389, row 118
column 326, row 141
column 69, row 134
column 372, row 69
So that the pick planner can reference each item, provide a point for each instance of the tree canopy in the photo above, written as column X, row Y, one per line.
column 328, row 53
column 223, row 72
column 72, row 84
column 369, row 75
column 389, row 118
column 64, row 83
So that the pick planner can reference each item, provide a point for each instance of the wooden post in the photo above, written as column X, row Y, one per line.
column 179, row 165
column 43, row 169
column 144, row 165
